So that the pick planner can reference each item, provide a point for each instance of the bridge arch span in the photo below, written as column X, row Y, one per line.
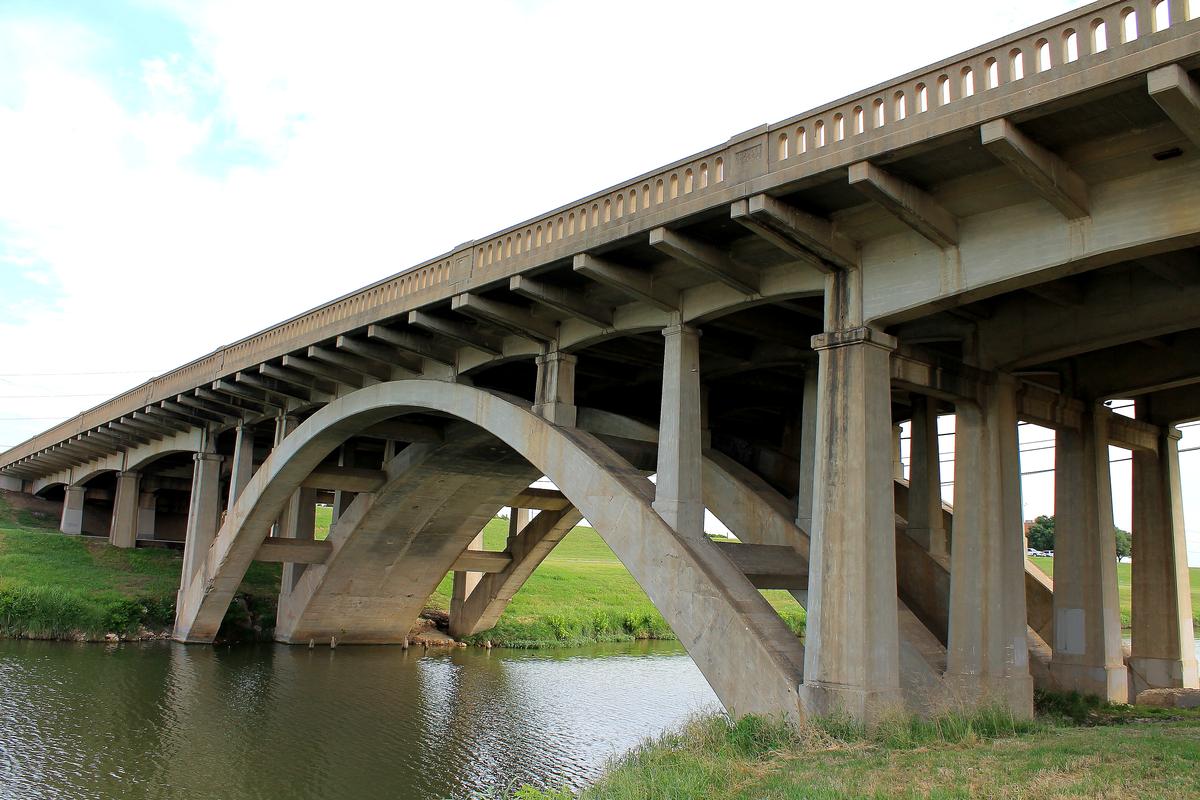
column 745, row 651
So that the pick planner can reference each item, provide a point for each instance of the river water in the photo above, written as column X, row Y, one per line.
column 162, row 720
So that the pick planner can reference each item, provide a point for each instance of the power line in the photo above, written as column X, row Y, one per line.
column 46, row 396
column 69, row 374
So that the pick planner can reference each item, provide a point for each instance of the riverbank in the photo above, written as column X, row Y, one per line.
column 68, row 587
column 1072, row 749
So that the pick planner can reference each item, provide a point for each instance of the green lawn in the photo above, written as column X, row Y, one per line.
column 1123, row 587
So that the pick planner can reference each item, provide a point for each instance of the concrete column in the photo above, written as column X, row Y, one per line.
column 554, row 398
column 925, row 521
column 243, row 461
column 851, row 657
column 341, row 499
column 122, row 531
column 72, row 513
column 147, row 508
column 1162, row 655
column 465, row 582
column 284, row 424
column 1087, row 623
column 204, row 510
column 808, row 443
column 299, row 522
column 678, row 496
column 987, row 655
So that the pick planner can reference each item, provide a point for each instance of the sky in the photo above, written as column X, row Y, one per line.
column 178, row 175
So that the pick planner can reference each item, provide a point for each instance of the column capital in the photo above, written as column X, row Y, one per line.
column 207, row 457
column 556, row 355
column 860, row 335
column 680, row 328
column 1171, row 432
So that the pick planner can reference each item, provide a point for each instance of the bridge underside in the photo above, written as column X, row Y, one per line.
column 1009, row 237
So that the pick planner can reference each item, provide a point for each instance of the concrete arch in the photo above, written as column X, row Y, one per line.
column 144, row 459
column 391, row 547
column 89, row 476
column 745, row 651
column 42, row 488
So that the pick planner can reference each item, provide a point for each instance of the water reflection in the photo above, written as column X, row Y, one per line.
column 166, row 721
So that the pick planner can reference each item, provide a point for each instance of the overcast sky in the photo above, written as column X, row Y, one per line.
column 177, row 175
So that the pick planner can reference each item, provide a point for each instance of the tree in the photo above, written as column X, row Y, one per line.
column 1124, row 544
column 1041, row 533
column 1041, row 537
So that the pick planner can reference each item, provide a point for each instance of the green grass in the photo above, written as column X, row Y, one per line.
column 58, row 586
column 1124, row 584
column 54, row 586
column 1115, row 752
column 581, row 594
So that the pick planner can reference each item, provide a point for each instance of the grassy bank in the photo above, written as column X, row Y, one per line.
column 1089, row 751
column 59, row 587
column 580, row 594
column 1124, row 582
column 55, row 586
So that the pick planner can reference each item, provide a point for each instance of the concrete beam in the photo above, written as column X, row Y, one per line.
column 345, row 479
column 278, row 550
column 1048, row 174
column 795, row 232
column 353, row 363
column 768, row 566
column 223, row 401
column 153, row 432
column 398, row 430
column 284, row 392
column 1179, row 267
column 482, row 561
column 1132, row 369
column 248, row 395
column 567, row 301
column 1179, row 97
column 1061, row 293
column 422, row 346
column 540, row 499
column 1118, row 311
column 320, row 369
column 130, row 434
column 194, row 406
column 467, row 335
column 171, row 425
column 912, row 206
column 636, row 283
column 514, row 319
column 706, row 258
column 301, row 380
column 400, row 366
column 1132, row 434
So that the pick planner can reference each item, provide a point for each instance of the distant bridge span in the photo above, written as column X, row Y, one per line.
column 1011, row 235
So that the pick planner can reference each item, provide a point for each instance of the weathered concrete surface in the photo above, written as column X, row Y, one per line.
column 852, row 658
column 392, row 547
column 1087, row 624
column 744, row 650
column 535, row 540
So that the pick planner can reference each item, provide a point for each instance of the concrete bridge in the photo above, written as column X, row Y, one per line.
column 1008, row 235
